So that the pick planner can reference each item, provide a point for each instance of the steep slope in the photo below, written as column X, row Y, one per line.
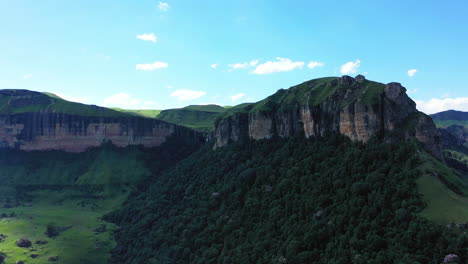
column 354, row 107
column 287, row 200
column 37, row 121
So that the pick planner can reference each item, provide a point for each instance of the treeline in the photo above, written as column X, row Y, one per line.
column 326, row 200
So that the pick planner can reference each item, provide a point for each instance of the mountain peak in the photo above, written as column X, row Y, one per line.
column 355, row 107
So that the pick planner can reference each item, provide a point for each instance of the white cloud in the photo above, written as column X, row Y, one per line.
column 187, row 95
column 76, row 99
column 281, row 65
column 436, row 105
column 214, row 65
column 253, row 63
column 314, row 64
column 126, row 101
column 148, row 37
column 27, row 76
column 350, row 67
column 163, row 6
column 412, row 72
column 239, row 65
column 243, row 65
column 237, row 97
column 152, row 66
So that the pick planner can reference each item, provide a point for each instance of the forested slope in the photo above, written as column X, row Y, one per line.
column 296, row 200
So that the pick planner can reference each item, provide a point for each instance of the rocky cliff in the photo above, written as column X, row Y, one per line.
column 36, row 121
column 355, row 107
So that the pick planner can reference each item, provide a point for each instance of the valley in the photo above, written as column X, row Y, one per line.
column 314, row 167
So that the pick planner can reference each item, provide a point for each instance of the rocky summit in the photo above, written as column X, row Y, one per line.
column 355, row 107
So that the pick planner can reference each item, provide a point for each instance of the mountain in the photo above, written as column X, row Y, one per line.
column 329, row 171
column 453, row 128
column 355, row 107
column 450, row 115
column 37, row 121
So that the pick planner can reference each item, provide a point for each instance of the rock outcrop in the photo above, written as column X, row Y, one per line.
column 33, row 121
column 357, row 108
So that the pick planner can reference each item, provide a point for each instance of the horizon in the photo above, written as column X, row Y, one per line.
column 171, row 54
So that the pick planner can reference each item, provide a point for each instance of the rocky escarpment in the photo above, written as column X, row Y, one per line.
column 354, row 107
column 35, row 121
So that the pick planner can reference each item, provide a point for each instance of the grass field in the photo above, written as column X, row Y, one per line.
column 444, row 206
column 142, row 112
column 77, row 245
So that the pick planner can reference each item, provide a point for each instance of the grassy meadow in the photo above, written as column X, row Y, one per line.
column 84, row 240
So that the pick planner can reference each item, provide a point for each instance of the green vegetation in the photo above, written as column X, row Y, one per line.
column 456, row 155
column 296, row 200
column 206, row 108
column 79, row 244
column 194, row 119
column 145, row 113
column 106, row 165
column 12, row 103
column 313, row 93
column 447, row 123
column 61, row 197
column 444, row 205
column 449, row 118
column 197, row 117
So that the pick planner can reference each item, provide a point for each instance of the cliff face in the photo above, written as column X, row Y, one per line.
column 353, row 107
column 34, row 121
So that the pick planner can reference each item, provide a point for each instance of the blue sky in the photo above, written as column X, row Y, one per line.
column 172, row 53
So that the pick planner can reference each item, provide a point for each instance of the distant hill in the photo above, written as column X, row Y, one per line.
column 197, row 117
column 453, row 128
column 450, row 117
column 24, row 101
column 141, row 112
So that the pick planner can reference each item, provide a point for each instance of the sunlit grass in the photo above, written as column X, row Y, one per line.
column 79, row 244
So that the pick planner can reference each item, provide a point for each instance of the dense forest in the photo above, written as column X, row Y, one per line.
column 297, row 200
